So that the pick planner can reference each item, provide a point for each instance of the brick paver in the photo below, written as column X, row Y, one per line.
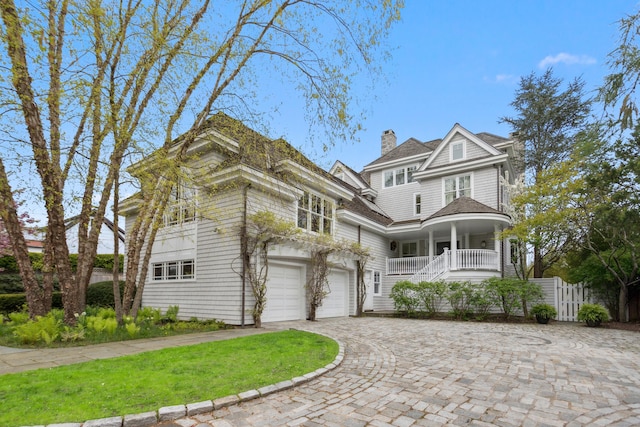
column 402, row 373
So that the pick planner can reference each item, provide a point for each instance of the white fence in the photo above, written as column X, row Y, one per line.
column 565, row 297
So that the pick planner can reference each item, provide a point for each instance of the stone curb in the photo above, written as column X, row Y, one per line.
column 169, row 413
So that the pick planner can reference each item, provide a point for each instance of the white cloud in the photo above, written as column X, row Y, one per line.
column 501, row 78
column 567, row 59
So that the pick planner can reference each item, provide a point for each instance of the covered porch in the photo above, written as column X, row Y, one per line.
column 465, row 235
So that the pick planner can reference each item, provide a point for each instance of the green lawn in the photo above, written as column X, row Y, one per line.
column 147, row 381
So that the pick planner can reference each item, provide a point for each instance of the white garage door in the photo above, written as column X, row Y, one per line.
column 285, row 287
column 336, row 303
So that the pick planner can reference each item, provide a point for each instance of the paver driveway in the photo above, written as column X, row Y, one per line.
column 401, row 372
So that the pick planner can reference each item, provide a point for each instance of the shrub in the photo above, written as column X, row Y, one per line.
column 149, row 315
column 72, row 334
column 459, row 297
column 481, row 301
column 11, row 283
column 171, row 316
column 544, row 311
column 43, row 328
column 405, row 297
column 132, row 329
column 431, row 295
column 19, row 317
column 511, row 295
column 593, row 314
column 12, row 302
column 100, row 294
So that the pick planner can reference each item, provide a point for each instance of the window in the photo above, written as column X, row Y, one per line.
column 410, row 171
column 513, row 251
column 377, row 283
column 417, row 204
column 456, row 187
column 457, row 151
column 181, row 206
column 315, row 214
column 398, row 176
column 173, row 270
column 409, row 249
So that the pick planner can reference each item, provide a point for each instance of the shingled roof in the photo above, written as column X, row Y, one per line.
column 463, row 205
column 412, row 147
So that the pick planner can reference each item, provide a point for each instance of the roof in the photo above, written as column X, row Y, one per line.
column 261, row 153
column 74, row 220
column 463, row 205
column 412, row 147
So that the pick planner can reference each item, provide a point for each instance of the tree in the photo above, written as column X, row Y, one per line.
column 263, row 230
column 90, row 83
column 547, row 123
column 619, row 87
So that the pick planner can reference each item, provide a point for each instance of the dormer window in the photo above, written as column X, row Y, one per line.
column 457, row 151
column 400, row 176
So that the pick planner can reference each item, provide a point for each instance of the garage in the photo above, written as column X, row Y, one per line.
column 285, row 290
column 337, row 302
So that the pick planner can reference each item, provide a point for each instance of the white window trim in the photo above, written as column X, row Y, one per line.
column 464, row 151
column 513, row 242
column 165, row 266
column 373, row 284
column 402, row 255
column 183, row 203
column 310, row 213
column 393, row 173
column 415, row 204
column 444, row 180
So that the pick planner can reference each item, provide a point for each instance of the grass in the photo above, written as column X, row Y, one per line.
column 147, row 381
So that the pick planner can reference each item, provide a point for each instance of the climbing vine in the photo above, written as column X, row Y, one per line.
column 264, row 230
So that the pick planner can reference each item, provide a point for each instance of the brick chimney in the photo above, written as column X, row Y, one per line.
column 389, row 141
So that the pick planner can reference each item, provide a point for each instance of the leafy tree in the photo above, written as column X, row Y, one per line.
column 619, row 88
column 88, row 84
column 547, row 121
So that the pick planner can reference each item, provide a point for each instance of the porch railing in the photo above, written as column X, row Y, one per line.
column 407, row 265
column 434, row 269
column 464, row 259
column 476, row 259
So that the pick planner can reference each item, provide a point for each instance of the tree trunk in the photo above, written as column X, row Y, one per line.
column 538, row 268
column 35, row 297
column 312, row 312
column 623, row 297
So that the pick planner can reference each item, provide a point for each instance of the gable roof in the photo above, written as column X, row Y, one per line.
column 463, row 205
column 74, row 220
column 457, row 129
column 411, row 147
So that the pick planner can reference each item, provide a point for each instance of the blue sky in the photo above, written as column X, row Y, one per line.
column 460, row 61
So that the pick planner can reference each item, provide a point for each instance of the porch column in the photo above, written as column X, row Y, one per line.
column 496, row 244
column 454, row 246
column 466, row 241
column 431, row 251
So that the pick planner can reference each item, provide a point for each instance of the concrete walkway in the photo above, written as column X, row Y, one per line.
column 400, row 372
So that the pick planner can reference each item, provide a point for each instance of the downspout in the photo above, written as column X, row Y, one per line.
column 501, row 209
column 243, row 252
column 359, row 309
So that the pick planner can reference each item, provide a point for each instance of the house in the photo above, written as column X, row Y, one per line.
column 105, row 239
column 425, row 210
